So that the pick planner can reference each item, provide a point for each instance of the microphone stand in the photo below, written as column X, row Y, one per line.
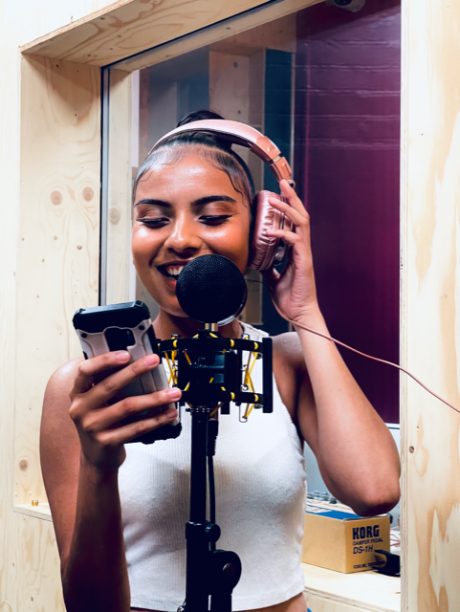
column 210, row 574
column 209, row 372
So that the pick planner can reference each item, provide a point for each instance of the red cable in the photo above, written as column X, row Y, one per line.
column 390, row 363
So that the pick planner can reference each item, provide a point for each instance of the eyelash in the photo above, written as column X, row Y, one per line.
column 208, row 220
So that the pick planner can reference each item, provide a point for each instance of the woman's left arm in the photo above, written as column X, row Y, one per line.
column 356, row 453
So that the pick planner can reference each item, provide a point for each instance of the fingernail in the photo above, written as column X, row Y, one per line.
column 151, row 360
column 171, row 413
column 173, row 393
column 121, row 355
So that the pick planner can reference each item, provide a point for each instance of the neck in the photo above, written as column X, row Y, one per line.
column 166, row 324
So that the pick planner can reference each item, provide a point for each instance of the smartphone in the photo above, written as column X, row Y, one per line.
column 126, row 327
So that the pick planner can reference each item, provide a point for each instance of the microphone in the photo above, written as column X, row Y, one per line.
column 211, row 289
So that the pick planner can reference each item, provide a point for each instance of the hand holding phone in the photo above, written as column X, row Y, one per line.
column 127, row 327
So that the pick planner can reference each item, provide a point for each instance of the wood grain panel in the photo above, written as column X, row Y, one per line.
column 218, row 32
column 129, row 27
column 431, row 302
column 367, row 590
column 9, row 186
column 37, row 573
column 317, row 603
column 58, row 255
column 280, row 34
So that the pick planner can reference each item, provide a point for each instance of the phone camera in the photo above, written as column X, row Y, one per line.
column 119, row 339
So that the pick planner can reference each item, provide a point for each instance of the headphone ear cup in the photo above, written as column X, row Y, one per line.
column 264, row 249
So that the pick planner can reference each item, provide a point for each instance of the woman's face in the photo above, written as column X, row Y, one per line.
column 182, row 211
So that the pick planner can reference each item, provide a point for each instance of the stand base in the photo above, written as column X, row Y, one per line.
column 217, row 577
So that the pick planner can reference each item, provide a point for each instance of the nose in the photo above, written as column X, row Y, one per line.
column 184, row 238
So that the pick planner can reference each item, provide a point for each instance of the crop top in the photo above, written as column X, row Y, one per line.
column 260, row 494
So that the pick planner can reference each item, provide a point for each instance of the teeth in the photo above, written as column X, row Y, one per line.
column 174, row 271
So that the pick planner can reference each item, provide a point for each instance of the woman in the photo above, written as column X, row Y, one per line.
column 193, row 197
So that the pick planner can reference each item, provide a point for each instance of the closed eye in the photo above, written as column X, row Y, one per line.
column 157, row 222
column 214, row 219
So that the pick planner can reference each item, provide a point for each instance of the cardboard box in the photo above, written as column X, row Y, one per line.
column 338, row 539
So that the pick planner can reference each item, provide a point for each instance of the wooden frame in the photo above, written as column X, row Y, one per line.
column 430, row 308
column 59, row 174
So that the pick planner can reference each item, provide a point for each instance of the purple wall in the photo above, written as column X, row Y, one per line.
column 347, row 170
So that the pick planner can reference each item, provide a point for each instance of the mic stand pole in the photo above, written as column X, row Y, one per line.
column 196, row 593
column 210, row 574
column 210, row 375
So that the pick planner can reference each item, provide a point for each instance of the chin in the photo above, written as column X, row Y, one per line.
column 170, row 306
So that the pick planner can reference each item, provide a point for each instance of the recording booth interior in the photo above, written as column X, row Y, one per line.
column 363, row 100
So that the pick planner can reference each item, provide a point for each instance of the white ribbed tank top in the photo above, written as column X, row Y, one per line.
column 260, row 492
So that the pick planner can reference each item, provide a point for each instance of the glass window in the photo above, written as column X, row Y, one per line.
column 324, row 85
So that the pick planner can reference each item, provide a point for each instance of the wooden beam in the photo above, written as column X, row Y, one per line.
column 58, row 255
column 430, row 310
column 129, row 27
column 216, row 33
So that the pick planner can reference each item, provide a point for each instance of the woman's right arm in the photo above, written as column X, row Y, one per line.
column 81, row 448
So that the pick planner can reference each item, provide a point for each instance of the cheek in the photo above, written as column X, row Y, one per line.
column 144, row 244
column 233, row 244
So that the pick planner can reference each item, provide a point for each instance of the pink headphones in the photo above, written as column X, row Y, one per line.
column 265, row 251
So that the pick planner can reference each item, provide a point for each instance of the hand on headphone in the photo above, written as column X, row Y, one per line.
column 293, row 291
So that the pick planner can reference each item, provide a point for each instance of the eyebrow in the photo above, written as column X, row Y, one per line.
column 199, row 202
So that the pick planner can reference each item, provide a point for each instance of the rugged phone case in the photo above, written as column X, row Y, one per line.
column 126, row 326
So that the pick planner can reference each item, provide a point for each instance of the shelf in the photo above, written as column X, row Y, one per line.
column 364, row 590
column 41, row 511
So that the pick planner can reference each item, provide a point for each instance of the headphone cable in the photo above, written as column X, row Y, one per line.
column 390, row 363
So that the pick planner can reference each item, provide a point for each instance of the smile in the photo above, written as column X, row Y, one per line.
column 171, row 271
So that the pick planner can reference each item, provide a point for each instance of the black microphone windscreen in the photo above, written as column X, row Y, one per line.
column 211, row 289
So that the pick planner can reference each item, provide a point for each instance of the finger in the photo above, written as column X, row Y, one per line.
column 295, row 216
column 271, row 275
column 107, row 388
column 291, row 195
column 121, row 435
column 286, row 235
column 138, row 407
column 90, row 368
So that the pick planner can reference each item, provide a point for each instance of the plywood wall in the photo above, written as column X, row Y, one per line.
column 431, row 302
column 29, row 566
column 58, row 255
column 49, row 251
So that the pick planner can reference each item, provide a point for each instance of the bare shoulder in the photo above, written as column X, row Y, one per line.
column 63, row 378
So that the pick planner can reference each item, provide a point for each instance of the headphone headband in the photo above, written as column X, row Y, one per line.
column 241, row 134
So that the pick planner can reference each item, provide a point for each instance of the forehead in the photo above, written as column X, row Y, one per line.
column 192, row 176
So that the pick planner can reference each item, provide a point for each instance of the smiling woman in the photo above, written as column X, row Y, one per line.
column 120, row 511
column 172, row 229
column 194, row 212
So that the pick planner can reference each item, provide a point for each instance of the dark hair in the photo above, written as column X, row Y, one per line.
column 215, row 150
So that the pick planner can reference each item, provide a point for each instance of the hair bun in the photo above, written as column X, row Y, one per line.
column 212, row 137
column 199, row 115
